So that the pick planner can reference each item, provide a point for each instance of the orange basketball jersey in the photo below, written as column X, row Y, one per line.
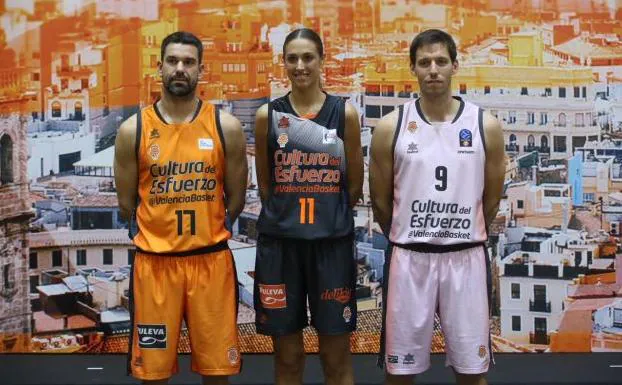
column 181, row 171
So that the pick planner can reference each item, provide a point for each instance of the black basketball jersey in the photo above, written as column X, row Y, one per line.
column 309, row 195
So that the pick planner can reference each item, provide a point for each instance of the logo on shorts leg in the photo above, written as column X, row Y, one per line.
column 151, row 336
column 393, row 359
column 482, row 352
column 272, row 296
column 233, row 355
column 347, row 314
column 340, row 294
column 409, row 359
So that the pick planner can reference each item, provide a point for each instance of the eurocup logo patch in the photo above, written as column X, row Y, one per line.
column 151, row 336
column 466, row 138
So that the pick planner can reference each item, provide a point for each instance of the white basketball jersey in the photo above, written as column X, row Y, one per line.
column 438, row 178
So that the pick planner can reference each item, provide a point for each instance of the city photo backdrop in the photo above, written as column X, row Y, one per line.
column 72, row 70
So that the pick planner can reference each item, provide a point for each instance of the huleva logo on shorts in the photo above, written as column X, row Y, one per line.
column 272, row 296
column 151, row 336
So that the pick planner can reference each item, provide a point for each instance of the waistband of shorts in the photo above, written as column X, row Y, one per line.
column 437, row 249
column 220, row 246
column 281, row 238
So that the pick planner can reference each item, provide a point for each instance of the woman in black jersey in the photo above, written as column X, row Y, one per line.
column 310, row 175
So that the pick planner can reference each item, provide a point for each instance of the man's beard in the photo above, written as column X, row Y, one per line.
column 181, row 88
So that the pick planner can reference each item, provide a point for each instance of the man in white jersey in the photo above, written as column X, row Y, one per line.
column 436, row 178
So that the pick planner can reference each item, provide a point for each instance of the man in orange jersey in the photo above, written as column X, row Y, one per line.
column 180, row 170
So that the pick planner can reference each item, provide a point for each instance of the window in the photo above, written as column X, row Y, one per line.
column 486, row 90
column 516, row 288
column 531, row 141
column 388, row 90
column 584, row 92
column 523, row 91
column 531, row 117
column 6, row 160
column 589, row 257
column 588, row 197
column 547, row 92
column 520, row 204
column 463, row 89
column 561, row 119
column 578, row 120
column 562, row 92
column 34, row 282
column 130, row 256
column 35, row 76
column 372, row 111
column 78, row 109
column 515, row 323
column 84, row 84
column 559, row 143
column 387, row 109
column 544, row 118
column 544, row 142
column 107, row 256
column 512, row 139
column 81, row 257
column 512, row 117
column 33, row 262
column 577, row 92
column 56, row 109
column 57, row 258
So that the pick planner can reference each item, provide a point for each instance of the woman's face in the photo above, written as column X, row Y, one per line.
column 303, row 63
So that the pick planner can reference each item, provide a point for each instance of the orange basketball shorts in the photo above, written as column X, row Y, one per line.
column 198, row 289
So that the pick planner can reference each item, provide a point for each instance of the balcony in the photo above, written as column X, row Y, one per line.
column 512, row 147
column 540, row 149
column 539, row 338
column 540, row 306
column 73, row 71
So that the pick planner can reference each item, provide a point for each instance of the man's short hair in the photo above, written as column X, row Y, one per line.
column 182, row 37
column 433, row 36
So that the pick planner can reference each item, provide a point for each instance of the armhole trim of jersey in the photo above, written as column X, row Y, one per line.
column 139, row 126
column 219, row 129
column 480, row 123
column 400, row 114
column 341, row 128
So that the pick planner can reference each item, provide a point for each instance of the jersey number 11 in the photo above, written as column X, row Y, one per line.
column 307, row 204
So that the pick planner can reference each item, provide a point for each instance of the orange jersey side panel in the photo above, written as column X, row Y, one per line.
column 180, row 183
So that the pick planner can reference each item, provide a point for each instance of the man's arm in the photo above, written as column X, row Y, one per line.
column 381, row 170
column 126, row 167
column 236, row 172
column 354, row 154
column 261, row 152
column 495, row 167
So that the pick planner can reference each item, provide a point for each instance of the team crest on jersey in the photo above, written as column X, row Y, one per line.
column 284, row 123
column 466, row 138
column 154, row 151
column 154, row 134
column 282, row 140
column 412, row 126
